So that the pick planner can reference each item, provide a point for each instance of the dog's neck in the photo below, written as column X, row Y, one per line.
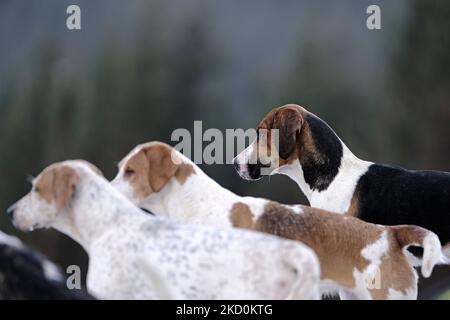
column 95, row 208
column 325, row 170
column 199, row 199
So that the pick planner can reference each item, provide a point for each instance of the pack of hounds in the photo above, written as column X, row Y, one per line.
column 163, row 229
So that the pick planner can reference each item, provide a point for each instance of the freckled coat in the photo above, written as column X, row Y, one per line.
column 133, row 255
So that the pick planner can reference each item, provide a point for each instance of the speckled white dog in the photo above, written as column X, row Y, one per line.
column 136, row 256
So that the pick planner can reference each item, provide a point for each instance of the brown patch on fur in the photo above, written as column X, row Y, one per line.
column 241, row 216
column 153, row 168
column 395, row 270
column 354, row 206
column 336, row 239
column 409, row 235
column 44, row 186
column 288, row 120
column 296, row 141
column 401, row 236
column 140, row 179
column 57, row 184
column 161, row 166
column 184, row 171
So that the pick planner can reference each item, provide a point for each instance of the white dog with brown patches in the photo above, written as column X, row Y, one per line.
column 133, row 255
column 358, row 259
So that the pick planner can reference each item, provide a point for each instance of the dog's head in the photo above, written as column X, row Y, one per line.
column 51, row 194
column 276, row 143
column 148, row 168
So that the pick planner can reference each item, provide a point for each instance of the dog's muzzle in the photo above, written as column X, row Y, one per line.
column 247, row 171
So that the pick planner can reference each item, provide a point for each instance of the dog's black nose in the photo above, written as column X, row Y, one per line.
column 254, row 171
column 10, row 211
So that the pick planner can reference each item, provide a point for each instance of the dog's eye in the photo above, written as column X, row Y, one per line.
column 129, row 172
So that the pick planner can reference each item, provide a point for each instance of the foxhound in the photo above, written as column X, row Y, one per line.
column 358, row 259
column 333, row 178
column 26, row 274
column 133, row 255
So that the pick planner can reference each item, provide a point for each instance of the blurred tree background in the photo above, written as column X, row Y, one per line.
column 138, row 70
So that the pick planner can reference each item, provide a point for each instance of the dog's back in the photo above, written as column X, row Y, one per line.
column 167, row 260
column 391, row 196
column 351, row 250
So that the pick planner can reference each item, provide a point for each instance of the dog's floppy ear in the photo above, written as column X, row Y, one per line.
column 57, row 185
column 289, row 123
column 161, row 166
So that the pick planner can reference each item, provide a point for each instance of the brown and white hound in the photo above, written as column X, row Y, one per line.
column 358, row 259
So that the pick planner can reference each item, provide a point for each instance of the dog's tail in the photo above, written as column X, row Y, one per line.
column 408, row 235
column 306, row 268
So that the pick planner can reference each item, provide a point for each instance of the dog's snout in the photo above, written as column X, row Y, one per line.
column 10, row 211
